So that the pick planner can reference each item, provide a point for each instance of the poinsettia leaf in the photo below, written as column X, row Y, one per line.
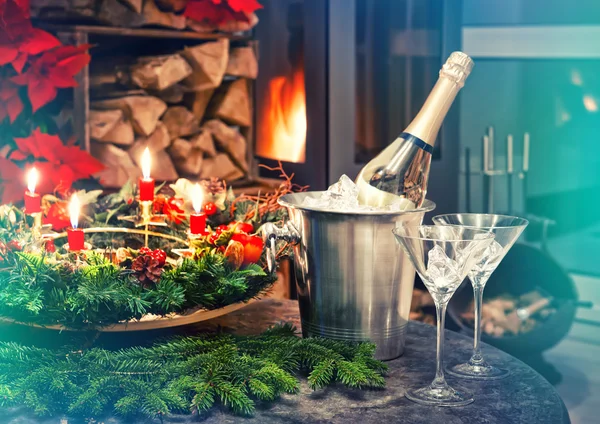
column 41, row 93
column 22, row 79
column 12, row 184
column 81, row 162
column 39, row 41
column 244, row 6
column 8, row 53
column 14, row 107
column 19, row 62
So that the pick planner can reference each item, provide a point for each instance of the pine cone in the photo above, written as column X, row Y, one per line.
column 147, row 270
column 214, row 185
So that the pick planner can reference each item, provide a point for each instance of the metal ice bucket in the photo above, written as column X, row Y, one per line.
column 354, row 282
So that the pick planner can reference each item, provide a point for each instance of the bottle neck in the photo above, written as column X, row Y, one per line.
column 428, row 121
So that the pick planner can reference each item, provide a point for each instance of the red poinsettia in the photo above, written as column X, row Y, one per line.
column 18, row 38
column 12, row 182
column 221, row 11
column 52, row 70
column 173, row 209
column 10, row 102
column 57, row 215
column 59, row 165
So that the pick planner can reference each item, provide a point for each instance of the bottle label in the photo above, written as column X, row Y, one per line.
column 417, row 141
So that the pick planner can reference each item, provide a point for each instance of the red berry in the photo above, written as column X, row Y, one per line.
column 145, row 251
column 160, row 256
column 49, row 246
column 213, row 237
column 14, row 245
column 210, row 208
column 221, row 228
column 242, row 227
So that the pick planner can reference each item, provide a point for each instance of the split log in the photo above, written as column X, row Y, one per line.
column 143, row 111
column 154, row 16
column 122, row 134
column 220, row 166
column 186, row 157
column 135, row 5
column 157, row 141
column 172, row 95
column 231, row 141
column 204, row 142
column 200, row 26
column 171, row 5
column 103, row 121
column 161, row 72
column 115, row 13
column 163, row 169
column 233, row 105
column 180, row 122
column 232, row 26
column 197, row 101
column 208, row 61
column 242, row 63
column 119, row 166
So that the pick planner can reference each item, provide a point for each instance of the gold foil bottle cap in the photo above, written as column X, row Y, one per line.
column 457, row 68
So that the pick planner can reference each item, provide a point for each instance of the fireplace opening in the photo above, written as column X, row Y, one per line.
column 282, row 134
column 281, row 104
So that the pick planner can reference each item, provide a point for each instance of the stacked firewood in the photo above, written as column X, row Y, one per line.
column 190, row 108
column 133, row 14
column 499, row 316
column 422, row 307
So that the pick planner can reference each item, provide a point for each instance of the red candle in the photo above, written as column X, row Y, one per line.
column 76, row 239
column 198, row 219
column 75, row 235
column 146, row 189
column 146, row 184
column 33, row 201
column 198, row 223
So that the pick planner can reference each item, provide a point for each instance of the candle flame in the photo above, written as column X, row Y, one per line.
column 197, row 198
column 74, row 208
column 146, row 164
column 32, row 179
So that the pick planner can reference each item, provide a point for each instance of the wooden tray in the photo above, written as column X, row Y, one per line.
column 150, row 322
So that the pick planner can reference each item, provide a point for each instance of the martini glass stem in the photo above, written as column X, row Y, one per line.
column 478, row 286
column 440, row 309
column 477, row 358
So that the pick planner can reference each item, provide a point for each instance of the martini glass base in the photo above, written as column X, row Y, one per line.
column 477, row 372
column 439, row 396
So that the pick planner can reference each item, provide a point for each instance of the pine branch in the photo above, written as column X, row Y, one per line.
column 181, row 374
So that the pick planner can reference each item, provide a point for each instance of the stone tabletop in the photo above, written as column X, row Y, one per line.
column 523, row 397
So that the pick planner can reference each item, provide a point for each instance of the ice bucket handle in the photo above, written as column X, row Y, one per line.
column 271, row 233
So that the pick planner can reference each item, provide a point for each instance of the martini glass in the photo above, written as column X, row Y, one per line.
column 507, row 230
column 442, row 256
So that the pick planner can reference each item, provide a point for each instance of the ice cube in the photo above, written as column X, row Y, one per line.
column 344, row 189
column 321, row 202
column 490, row 260
column 442, row 272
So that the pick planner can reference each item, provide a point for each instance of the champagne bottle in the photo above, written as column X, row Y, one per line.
column 399, row 174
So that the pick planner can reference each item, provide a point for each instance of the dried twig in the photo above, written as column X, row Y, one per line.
column 268, row 202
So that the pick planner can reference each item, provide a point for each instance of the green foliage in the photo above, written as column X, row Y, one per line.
column 91, row 291
column 182, row 374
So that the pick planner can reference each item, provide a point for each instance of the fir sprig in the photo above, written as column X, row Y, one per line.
column 182, row 374
column 92, row 291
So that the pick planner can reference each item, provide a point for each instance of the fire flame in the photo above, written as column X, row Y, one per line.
column 283, row 135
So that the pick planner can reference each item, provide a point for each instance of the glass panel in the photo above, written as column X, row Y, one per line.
column 398, row 45
column 558, row 103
